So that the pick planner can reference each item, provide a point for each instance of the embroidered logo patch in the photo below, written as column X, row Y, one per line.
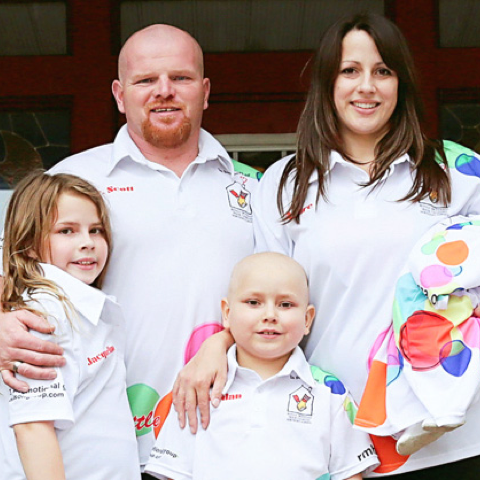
column 432, row 210
column 239, row 200
column 300, row 405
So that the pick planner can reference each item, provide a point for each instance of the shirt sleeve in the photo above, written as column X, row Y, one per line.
column 464, row 168
column 173, row 453
column 351, row 451
column 270, row 233
column 48, row 400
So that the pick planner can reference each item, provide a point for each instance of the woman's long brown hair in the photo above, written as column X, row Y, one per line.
column 318, row 128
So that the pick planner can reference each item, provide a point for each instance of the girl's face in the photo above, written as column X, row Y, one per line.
column 365, row 91
column 76, row 242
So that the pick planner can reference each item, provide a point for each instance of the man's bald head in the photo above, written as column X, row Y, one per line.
column 163, row 93
column 157, row 35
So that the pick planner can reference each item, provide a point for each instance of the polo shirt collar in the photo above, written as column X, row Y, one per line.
column 124, row 147
column 337, row 159
column 296, row 365
column 87, row 300
column 209, row 149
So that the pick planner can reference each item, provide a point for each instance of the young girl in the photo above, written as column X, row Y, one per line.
column 56, row 247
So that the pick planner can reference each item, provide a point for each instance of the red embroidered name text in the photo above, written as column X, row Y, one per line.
column 302, row 211
column 100, row 356
column 231, row 397
column 119, row 189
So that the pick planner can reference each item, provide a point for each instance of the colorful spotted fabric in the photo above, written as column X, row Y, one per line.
column 426, row 365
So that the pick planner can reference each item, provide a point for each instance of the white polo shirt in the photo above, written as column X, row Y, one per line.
column 87, row 401
column 176, row 241
column 353, row 248
column 286, row 427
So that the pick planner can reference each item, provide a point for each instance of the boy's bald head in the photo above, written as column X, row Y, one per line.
column 268, row 261
column 267, row 311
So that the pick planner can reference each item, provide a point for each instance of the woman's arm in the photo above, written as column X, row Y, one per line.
column 39, row 451
column 358, row 476
column 192, row 387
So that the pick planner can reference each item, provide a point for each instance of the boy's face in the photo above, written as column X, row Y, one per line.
column 267, row 310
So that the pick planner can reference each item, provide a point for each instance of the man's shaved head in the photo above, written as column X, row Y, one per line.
column 157, row 35
column 162, row 91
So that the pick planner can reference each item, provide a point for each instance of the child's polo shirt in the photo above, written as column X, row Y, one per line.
column 289, row 426
column 87, row 401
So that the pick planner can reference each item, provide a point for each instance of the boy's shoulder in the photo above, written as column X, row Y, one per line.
column 325, row 378
column 337, row 390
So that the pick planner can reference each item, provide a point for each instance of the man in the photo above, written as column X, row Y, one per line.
column 181, row 219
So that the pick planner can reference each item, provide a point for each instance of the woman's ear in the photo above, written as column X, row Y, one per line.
column 309, row 316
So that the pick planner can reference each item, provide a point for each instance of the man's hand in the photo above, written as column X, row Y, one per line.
column 17, row 345
column 208, row 368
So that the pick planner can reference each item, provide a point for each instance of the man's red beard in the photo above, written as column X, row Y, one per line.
column 165, row 135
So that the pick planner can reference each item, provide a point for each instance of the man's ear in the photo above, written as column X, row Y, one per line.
column 225, row 313
column 206, row 92
column 117, row 90
column 309, row 316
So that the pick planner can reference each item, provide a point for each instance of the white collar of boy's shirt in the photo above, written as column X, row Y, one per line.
column 89, row 301
column 209, row 148
column 296, row 364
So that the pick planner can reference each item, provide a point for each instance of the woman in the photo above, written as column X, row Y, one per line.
column 364, row 185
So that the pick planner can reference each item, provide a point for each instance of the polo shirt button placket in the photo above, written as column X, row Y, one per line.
column 259, row 410
column 181, row 200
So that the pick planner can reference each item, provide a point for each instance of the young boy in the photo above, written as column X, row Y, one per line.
column 279, row 418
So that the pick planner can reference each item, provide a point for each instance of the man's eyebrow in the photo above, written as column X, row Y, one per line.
column 184, row 71
column 139, row 76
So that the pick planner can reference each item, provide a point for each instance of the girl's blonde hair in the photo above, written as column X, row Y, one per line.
column 31, row 213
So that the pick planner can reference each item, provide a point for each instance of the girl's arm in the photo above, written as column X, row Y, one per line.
column 358, row 476
column 39, row 451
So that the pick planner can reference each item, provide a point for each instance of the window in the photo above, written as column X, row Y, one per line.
column 30, row 140
column 460, row 122
column 33, row 28
column 258, row 150
column 244, row 25
column 458, row 23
